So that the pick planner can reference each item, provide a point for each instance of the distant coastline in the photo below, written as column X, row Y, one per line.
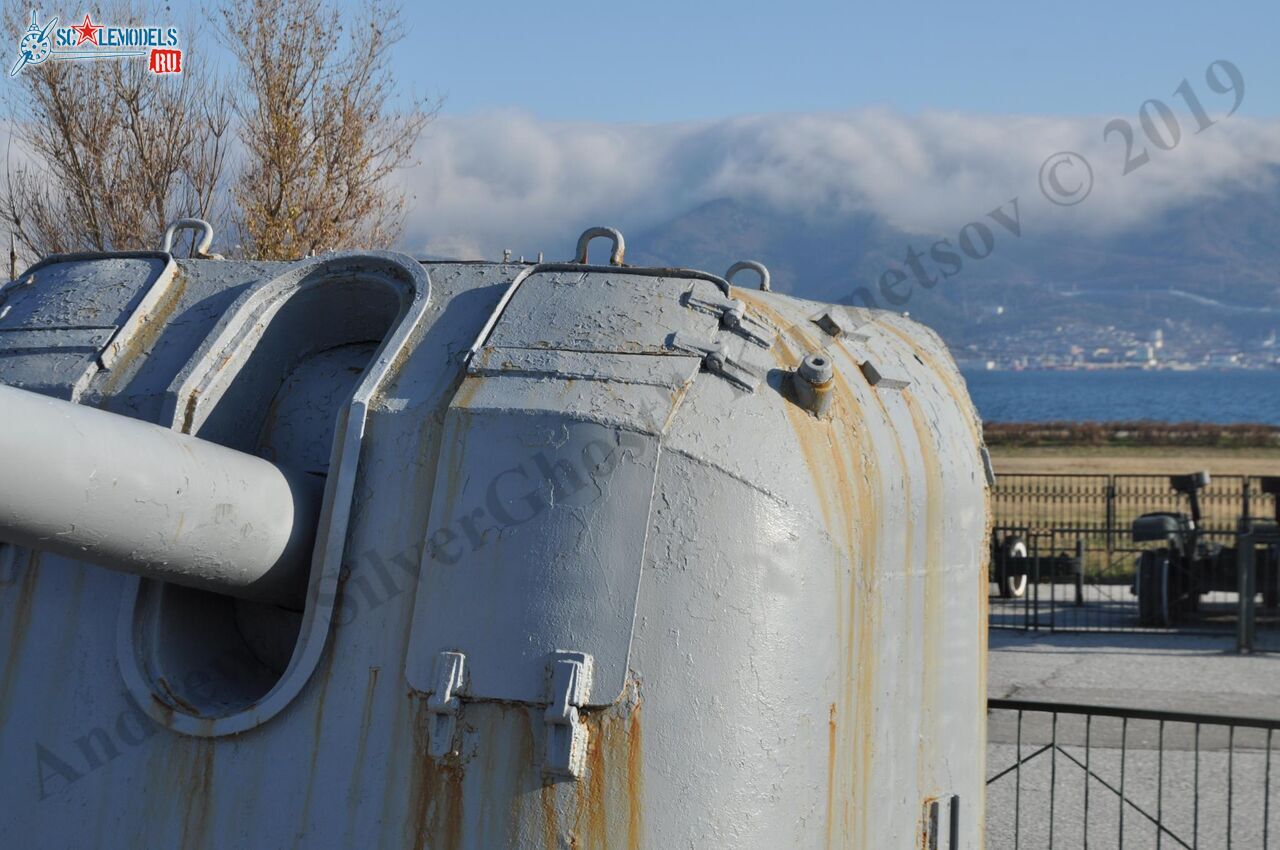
column 1213, row 396
column 980, row 366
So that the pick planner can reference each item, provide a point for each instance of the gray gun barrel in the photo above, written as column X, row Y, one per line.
column 133, row 496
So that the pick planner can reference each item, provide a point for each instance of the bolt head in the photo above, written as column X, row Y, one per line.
column 817, row 368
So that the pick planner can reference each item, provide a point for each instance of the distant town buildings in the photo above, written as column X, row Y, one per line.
column 1178, row 346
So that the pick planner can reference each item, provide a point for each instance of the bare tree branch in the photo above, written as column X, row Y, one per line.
column 321, row 136
column 109, row 153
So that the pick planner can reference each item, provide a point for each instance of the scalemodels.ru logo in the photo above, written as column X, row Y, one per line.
column 88, row 40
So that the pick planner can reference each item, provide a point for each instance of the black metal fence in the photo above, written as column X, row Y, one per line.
column 1099, row 509
column 1074, row 776
column 1076, row 530
column 1259, row 627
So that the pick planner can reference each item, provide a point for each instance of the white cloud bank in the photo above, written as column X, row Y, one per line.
column 508, row 180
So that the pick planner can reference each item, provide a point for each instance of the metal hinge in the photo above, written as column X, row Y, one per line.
column 716, row 360
column 566, row 750
column 733, row 316
column 443, row 705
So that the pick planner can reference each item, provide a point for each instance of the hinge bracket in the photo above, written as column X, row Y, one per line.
column 443, row 705
column 566, row 750
column 733, row 316
column 716, row 360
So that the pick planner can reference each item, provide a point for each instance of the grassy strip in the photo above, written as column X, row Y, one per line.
column 1130, row 435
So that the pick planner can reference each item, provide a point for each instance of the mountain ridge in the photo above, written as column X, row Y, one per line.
column 1208, row 268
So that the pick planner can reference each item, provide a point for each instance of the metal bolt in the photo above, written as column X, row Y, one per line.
column 813, row 381
column 817, row 369
column 733, row 314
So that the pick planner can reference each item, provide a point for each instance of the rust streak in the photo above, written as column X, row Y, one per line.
column 635, row 781
column 843, row 463
column 933, row 589
column 831, row 768
column 20, row 623
column 550, row 818
column 419, row 794
column 198, row 792
column 366, row 726
column 320, row 687
column 600, row 734
column 175, row 698
column 435, row 792
column 144, row 338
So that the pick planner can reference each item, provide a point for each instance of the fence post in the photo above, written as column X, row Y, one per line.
column 1111, row 515
column 1035, row 581
column 1246, row 547
column 1079, row 570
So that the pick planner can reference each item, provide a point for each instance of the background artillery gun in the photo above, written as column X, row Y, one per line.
column 1170, row 579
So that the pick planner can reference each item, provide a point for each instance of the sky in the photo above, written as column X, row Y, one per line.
column 562, row 115
column 680, row 60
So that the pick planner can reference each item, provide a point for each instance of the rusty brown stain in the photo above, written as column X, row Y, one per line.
column 20, row 624
column 677, row 399
column 831, row 769
column 523, row 760
column 148, row 331
column 401, row 358
column 609, row 797
column 435, row 791
column 593, row 803
column 635, row 781
column 843, row 466
column 419, row 792
column 197, row 790
column 366, row 725
column 550, row 818
column 951, row 382
column 175, row 699
column 450, row 783
column 934, row 590
column 943, row 373
column 398, row 812
column 189, row 411
column 269, row 420
column 466, row 393
column 193, row 401
column 318, row 685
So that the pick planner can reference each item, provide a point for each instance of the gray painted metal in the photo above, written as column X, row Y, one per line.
column 588, row 572
column 133, row 496
column 750, row 265
column 206, row 236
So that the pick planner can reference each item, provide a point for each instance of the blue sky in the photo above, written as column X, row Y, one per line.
column 558, row 115
column 662, row 60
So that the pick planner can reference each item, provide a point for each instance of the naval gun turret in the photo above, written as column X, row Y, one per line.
column 482, row 555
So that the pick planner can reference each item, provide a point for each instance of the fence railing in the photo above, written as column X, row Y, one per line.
column 1076, row 529
column 1104, row 505
column 1079, row 776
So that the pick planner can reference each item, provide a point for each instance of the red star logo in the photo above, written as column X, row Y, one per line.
column 87, row 31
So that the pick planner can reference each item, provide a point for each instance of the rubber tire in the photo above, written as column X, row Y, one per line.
column 1153, row 590
column 1012, row 587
